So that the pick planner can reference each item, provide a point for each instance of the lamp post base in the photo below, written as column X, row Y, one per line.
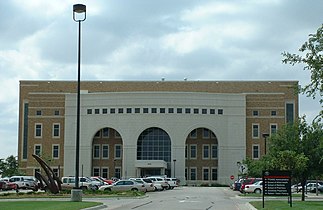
column 76, row 195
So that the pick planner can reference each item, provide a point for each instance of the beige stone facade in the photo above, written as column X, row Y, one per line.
column 235, row 113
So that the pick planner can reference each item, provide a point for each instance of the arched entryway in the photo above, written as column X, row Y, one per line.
column 107, row 153
column 201, row 157
column 153, row 153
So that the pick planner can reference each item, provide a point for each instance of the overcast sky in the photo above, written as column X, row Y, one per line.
column 150, row 40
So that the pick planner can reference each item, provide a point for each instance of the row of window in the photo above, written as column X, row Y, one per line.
column 104, row 172
column 40, row 112
column 256, row 129
column 207, row 173
column 155, row 111
column 102, row 151
column 55, row 130
column 256, row 113
column 208, row 151
column 55, row 150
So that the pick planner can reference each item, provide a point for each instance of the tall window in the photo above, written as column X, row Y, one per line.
column 206, row 133
column 255, row 130
column 38, row 130
column 96, row 151
column 55, row 153
column 105, row 172
column 206, row 151
column 193, row 151
column 214, row 151
column 193, row 173
column 117, row 151
column 37, row 149
column 105, row 151
column 193, row 134
column 56, row 128
column 96, row 171
column 186, row 151
column 273, row 128
column 289, row 112
column 205, row 173
column 117, row 172
column 105, row 132
column 214, row 174
column 255, row 151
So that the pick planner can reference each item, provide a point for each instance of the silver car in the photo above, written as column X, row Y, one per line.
column 124, row 185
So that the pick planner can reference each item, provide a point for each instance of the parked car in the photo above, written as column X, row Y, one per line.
column 101, row 179
column 159, row 181
column 25, row 182
column 85, row 183
column 248, row 181
column 253, row 188
column 6, row 185
column 147, row 182
column 124, row 185
column 172, row 182
column 311, row 187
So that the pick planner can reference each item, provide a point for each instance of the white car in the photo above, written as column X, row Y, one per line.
column 172, row 182
column 147, row 182
column 159, row 181
column 254, row 188
column 124, row 185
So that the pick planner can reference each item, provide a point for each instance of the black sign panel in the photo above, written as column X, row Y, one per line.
column 276, row 183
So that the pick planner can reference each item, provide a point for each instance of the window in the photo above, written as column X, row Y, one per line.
column 104, row 111
column 179, row 110
column 38, row 112
column 112, row 111
column 255, row 113
column 206, row 133
column 214, row 174
column 117, row 151
column 187, row 110
column 37, row 149
column 137, row 110
column 56, row 129
column 153, row 110
column 105, row 172
column 120, row 110
column 220, row 111
column 193, row 134
column 145, row 110
column 56, row 172
column 117, row 172
column 206, row 151
column 105, row 151
column 255, row 131
column 289, row 112
column 162, row 110
column 273, row 113
column 117, row 135
column 56, row 112
column 38, row 130
column 255, row 151
column 105, row 132
column 204, row 111
column 273, row 128
column 193, row 151
column 97, row 111
column 205, row 173
column 129, row 110
column 212, row 111
column 186, row 151
column 193, row 173
column 89, row 111
column 96, row 171
column 55, row 152
column 96, row 151
column 98, row 134
column 214, row 151
column 196, row 111
column 170, row 110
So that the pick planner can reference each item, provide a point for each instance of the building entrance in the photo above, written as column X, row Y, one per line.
column 150, row 172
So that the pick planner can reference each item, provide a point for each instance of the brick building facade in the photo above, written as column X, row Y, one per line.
column 194, row 130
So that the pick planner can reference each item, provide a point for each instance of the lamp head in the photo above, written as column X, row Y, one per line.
column 78, row 10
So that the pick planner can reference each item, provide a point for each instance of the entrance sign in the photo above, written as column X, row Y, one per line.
column 276, row 183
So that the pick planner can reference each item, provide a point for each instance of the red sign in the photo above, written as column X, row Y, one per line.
column 232, row 177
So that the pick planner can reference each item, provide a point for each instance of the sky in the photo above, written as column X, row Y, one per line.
column 149, row 40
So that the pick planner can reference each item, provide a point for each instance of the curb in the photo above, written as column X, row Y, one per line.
column 103, row 206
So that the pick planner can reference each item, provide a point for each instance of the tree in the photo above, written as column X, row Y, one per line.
column 313, row 61
column 9, row 167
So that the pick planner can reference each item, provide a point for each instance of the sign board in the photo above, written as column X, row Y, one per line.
column 276, row 183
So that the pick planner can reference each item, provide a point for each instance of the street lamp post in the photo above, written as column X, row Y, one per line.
column 78, row 16
column 174, row 167
column 265, row 136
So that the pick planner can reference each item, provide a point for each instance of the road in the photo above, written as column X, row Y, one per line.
column 181, row 198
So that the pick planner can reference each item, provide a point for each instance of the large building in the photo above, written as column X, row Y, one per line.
column 196, row 131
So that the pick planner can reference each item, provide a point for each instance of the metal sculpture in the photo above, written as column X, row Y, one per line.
column 50, row 182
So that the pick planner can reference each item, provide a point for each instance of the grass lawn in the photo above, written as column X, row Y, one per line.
column 46, row 205
column 282, row 205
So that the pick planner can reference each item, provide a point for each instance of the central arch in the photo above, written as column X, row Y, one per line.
column 154, row 152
